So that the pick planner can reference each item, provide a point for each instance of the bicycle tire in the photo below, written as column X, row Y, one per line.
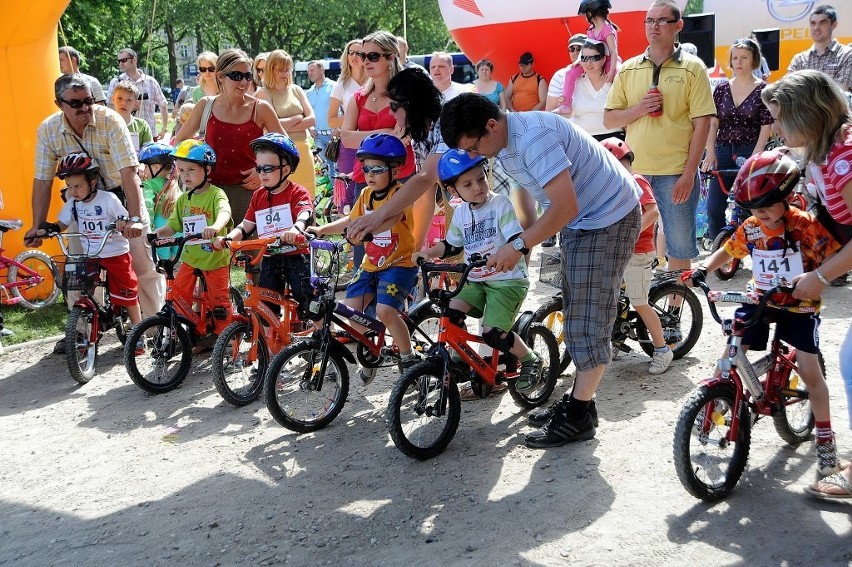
column 415, row 396
column 711, row 477
column 550, row 315
column 539, row 338
column 290, row 381
column 237, row 379
column 794, row 422
column 163, row 343
column 40, row 295
column 729, row 269
column 424, row 322
column 658, row 298
column 237, row 303
column 81, row 351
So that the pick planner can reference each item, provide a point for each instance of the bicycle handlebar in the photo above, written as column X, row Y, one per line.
column 718, row 173
column 179, row 241
column 262, row 244
column 747, row 297
column 475, row 261
column 64, row 238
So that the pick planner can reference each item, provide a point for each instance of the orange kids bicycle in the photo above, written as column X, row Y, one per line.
column 242, row 352
column 424, row 408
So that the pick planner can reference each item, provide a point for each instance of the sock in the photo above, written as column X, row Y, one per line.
column 823, row 431
column 527, row 357
column 661, row 349
column 577, row 409
column 407, row 354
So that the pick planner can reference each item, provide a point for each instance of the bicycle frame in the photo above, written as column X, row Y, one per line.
column 33, row 277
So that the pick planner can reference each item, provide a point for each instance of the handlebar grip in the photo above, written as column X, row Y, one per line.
column 323, row 245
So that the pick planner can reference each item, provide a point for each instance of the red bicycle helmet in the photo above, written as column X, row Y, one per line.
column 618, row 148
column 765, row 179
column 74, row 164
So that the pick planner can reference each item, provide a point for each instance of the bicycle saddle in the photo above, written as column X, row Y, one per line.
column 10, row 224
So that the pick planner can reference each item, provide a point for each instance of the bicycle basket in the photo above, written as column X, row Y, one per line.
column 551, row 268
column 78, row 272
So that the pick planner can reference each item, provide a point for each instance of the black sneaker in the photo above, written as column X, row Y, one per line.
column 541, row 416
column 561, row 429
column 530, row 374
column 59, row 347
column 407, row 362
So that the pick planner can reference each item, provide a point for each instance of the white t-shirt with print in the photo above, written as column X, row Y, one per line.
column 92, row 218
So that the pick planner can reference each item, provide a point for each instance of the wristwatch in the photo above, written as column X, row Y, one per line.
column 519, row 245
column 134, row 219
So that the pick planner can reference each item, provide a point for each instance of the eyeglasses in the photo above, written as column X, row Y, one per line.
column 125, row 59
column 268, row 168
column 374, row 169
column 373, row 56
column 658, row 22
column 590, row 58
column 394, row 105
column 474, row 149
column 237, row 76
column 574, row 48
column 206, row 69
column 78, row 103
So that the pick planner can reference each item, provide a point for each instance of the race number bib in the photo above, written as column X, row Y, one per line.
column 766, row 264
column 93, row 228
column 193, row 224
column 273, row 220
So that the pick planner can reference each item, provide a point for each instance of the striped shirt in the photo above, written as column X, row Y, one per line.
column 542, row 145
column 837, row 173
column 835, row 61
column 105, row 138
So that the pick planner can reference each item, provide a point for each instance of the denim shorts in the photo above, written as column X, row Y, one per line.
column 390, row 286
column 678, row 220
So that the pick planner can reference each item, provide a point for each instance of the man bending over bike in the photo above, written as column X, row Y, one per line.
column 786, row 242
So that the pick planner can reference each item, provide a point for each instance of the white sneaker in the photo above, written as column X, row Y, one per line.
column 661, row 361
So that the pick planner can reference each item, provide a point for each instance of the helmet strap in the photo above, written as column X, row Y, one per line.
column 200, row 185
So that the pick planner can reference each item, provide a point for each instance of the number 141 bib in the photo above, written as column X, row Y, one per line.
column 767, row 264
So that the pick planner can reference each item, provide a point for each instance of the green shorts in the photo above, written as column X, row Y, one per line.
column 497, row 302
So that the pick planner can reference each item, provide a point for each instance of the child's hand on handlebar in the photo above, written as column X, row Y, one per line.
column 209, row 232
column 691, row 277
column 291, row 236
column 219, row 242
column 420, row 255
column 315, row 230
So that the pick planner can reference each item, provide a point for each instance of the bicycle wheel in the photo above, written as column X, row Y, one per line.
column 707, row 461
column 729, row 269
column 542, row 342
column 424, row 325
column 423, row 414
column 344, row 268
column 550, row 314
column 681, row 324
column 237, row 304
column 795, row 421
column 292, row 396
column 34, row 296
column 237, row 374
column 81, row 344
column 167, row 357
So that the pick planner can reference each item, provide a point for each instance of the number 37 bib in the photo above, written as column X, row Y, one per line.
column 766, row 264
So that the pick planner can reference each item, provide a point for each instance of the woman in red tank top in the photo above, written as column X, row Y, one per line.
column 236, row 118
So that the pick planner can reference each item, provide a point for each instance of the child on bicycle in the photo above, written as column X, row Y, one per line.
column 483, row 223
column 92, row 210
column 204, row 209
column 387, row 273
column 782, row 241
column 637, row 276
column 160, row 190
column 280, row 208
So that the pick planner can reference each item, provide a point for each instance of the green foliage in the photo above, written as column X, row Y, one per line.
column 694, row 7
column 30, row 325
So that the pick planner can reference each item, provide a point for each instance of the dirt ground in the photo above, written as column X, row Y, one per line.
column 105, row 474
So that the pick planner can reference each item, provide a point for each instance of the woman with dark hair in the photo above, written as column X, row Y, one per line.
column 416, row 105
column 586, row 109
column 487, row 86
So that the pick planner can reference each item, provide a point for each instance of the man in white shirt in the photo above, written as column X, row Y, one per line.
column 441, row 70
column 151, row 95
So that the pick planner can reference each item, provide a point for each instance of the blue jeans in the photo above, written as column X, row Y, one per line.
column 728, row 156
column 321, row 142
column 846, row 370
column 678, row 220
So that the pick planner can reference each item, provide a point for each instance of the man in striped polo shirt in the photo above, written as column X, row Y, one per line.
column 594, row 204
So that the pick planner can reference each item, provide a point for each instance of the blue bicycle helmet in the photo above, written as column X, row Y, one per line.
column 455, row 162
column 279, row 144
column 155, row 153
column 384, row 147
column 194, row 151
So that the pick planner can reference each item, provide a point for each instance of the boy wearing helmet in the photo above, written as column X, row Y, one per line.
column 387, row 273
column 160, row 188
column 786, row 242
column 204, row 209
column 637, row 276
column 93, row 210
column 485, row 222
column 279, row 208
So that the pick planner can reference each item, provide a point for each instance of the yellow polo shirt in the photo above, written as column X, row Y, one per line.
column 661, row 145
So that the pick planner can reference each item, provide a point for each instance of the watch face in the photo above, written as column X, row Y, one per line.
column 518, row 244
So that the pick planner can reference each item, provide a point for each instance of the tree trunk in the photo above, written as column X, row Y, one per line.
column 173, row 71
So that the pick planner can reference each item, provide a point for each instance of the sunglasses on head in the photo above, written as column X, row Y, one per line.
column 268, row 168
column 125, row 59
column 238, row 76
column 590, row 58
column 78, row 103
column 206, row 69
column 373, row 56
column 396, row 105
column 374, row 169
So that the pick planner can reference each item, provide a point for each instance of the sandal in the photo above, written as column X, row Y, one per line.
column 467, row 394
column 838, row 481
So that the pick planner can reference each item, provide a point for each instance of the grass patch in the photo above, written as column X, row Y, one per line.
column 30, row 325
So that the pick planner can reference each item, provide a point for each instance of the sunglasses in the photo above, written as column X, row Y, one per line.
column 574, row 48
column 394, row 105
column 237, row 76
column 206, row 69
column 590, row 58
column 374, row 169
column 125, row 59
column 78, row 103
column 373, row 56
column 268, row 168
